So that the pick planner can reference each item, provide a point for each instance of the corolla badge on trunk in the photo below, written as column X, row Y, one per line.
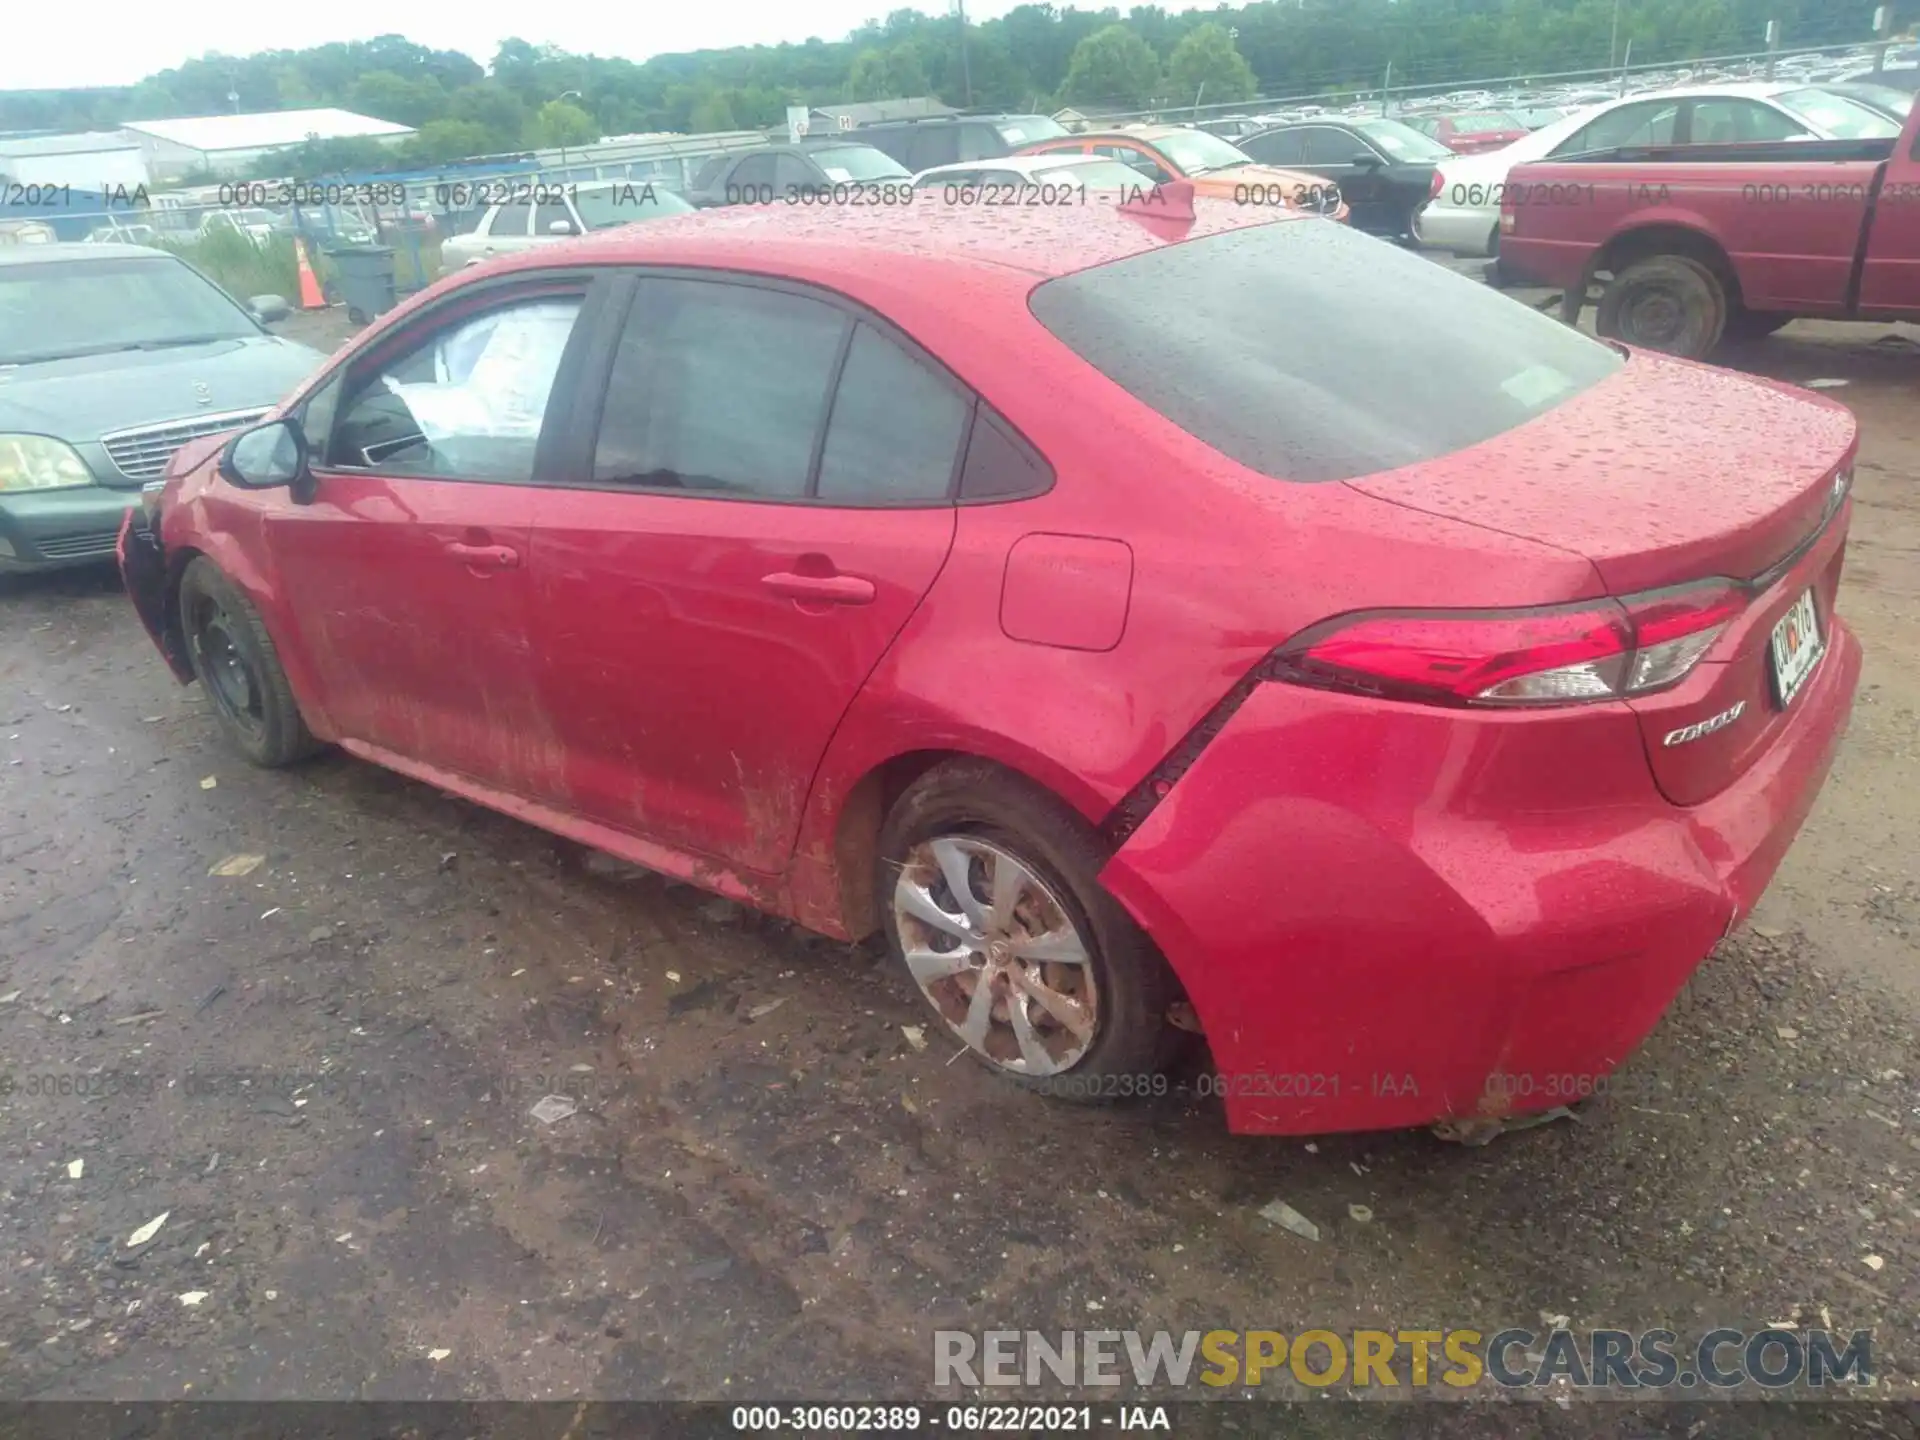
column 1704, row 727
column 202, row 392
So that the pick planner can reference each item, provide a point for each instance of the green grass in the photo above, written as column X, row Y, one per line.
column 240, row 267
column 244, row 269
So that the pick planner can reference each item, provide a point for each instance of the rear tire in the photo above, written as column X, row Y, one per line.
column 235, row 662
column 1667, row 303
column 1076, row 993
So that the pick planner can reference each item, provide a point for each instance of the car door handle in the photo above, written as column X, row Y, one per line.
column 485, row 557
column 820, row 589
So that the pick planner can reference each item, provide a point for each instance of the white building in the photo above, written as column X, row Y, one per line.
column 92, row 161
column 230, row 144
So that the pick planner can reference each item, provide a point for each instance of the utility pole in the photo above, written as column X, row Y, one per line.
column 1386, row 90
column 966, row 72
column 1883, row 32
column 1197, row 96
column 1613, row 40
column 1773, row 45
column 1626, row 63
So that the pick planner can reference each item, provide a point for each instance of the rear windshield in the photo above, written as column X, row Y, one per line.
column 1838, row 117
column 1308, row 351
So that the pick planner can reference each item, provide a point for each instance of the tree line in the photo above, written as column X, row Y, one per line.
column 1035, row 57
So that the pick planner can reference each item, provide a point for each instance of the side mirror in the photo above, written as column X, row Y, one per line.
column 1367, row 160
column 560, row 227
column 266, row 457
column 269, row 309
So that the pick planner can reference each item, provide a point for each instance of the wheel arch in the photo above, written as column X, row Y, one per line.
column 833, row 876
column 1667, row 237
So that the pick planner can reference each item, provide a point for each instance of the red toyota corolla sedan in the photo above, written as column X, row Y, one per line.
column 1132, row 615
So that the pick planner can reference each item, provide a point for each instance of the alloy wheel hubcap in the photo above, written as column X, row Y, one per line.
column 997, row 954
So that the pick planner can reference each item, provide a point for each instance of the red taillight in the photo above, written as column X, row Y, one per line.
column 1562, row 654
column 1436, row 185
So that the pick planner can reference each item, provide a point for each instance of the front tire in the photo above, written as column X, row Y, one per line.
column 235, row 662
column 990, row 900
column 1667, row 303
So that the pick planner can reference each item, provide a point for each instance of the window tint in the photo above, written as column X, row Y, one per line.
column 791, row 169
column 896, row 426
column 999, row 465
column 510, row 220
column 710, row 172
column 754, row 170
column 1277, row 147
column 1730, row 121
column 718, row 387
column 1327, row 146
column 1648, row 123
column 933, row 145
column 1312, row 352
column 980, row 141
column 467, row 403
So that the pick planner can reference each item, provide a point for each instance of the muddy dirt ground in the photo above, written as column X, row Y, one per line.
column 321, row 1073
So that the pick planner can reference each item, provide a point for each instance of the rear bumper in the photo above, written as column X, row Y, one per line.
column 52, row 529
column 1449, row 227
column 1386, row 915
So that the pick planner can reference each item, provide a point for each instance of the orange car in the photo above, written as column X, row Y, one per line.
column 1217, row 169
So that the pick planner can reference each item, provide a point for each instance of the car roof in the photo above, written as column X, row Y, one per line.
column 105, row 250
column 1022, row 164
column 823, row 241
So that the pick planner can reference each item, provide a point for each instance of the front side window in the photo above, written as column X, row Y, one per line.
column 467, row 403
column 1277, row 147
column 1649, row 123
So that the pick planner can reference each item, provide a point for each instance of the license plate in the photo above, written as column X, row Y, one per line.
column 1797, row 648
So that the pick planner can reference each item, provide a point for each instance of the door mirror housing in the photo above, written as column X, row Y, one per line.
column 1367, row 160
column 560, row 227
column 267, row 457
column 269, row 309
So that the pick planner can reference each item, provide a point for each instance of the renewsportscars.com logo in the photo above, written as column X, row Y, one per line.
column 1771, row 1359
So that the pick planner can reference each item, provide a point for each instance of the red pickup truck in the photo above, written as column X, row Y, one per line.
column 1690, row 243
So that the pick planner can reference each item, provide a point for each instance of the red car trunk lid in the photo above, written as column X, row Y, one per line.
column 1667, row 473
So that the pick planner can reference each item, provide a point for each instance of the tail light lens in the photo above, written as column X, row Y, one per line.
column 1558, row 655
column 1436, row 185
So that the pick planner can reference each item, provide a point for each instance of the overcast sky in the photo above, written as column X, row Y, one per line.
column 43, row 51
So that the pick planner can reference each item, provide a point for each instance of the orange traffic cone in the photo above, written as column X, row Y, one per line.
column 310, row 296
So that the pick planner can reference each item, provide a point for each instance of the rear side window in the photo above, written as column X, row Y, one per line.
column 510, row 220
column 933, row 145
column 718, row 388
column 1310, row 352
column 896, row 427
